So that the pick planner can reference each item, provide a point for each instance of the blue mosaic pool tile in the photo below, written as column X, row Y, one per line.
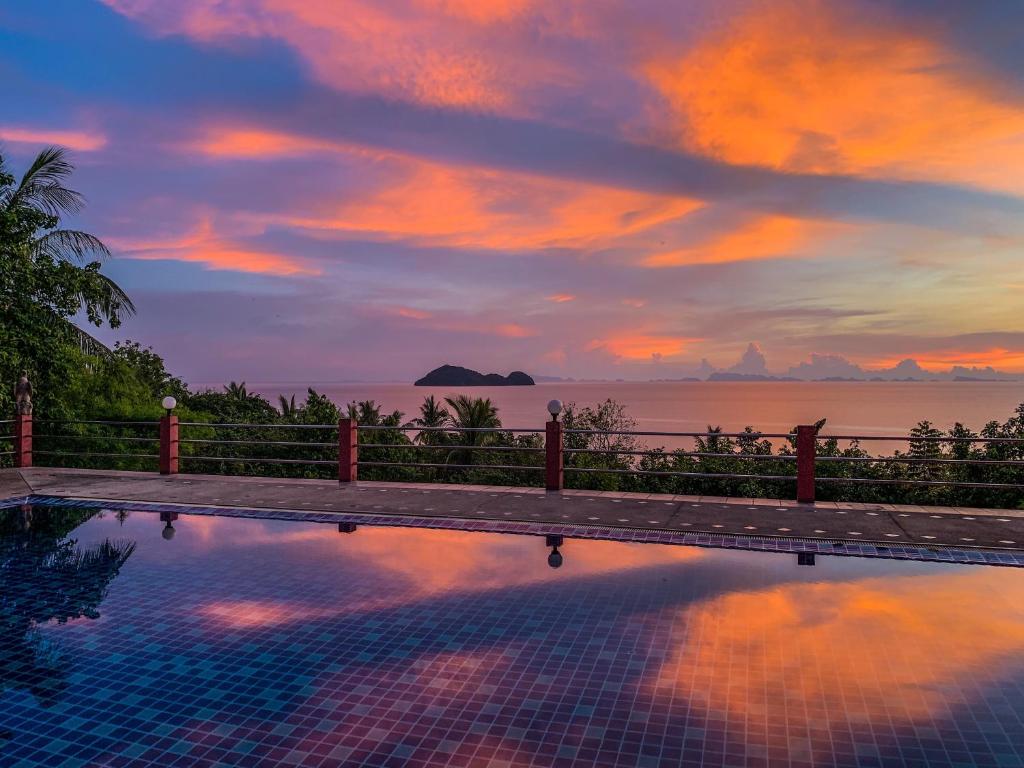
column 578, row 671
column 922, row 553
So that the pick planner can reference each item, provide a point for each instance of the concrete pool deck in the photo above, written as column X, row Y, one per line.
column 832, row 521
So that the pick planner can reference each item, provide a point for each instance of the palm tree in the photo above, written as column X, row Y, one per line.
column 30, row 214
column 288, row 408
column 432, row 416
column 236, row 391
column 472, row 413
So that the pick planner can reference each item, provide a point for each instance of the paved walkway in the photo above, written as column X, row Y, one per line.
column 887, row 523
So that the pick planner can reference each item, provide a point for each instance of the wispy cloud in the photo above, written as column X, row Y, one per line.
column 80, row 141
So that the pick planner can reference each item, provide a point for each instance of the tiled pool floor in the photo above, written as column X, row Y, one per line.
column 778, row 543
column 242, row 641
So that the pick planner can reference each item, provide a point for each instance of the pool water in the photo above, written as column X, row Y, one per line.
column 126, row 641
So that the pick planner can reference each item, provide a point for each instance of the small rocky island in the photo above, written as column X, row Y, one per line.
column 457, row 376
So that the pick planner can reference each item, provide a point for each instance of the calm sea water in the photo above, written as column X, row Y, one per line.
column 247, row 642
column 850, row 407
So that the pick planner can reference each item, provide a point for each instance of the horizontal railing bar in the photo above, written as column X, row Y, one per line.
column 451, row 447
column 108, row 423
column 922, row 460
column 445, row 466
column 924, row 439
column 7, row 453
column 756, row 435
column 103, row 437
column 722, row 476
column 255, row 426
column 259, row 442
column 407, row 428
column 683, row 454
column 258, row 461
column 103, row 455
column 6, row 421
column 950, row 483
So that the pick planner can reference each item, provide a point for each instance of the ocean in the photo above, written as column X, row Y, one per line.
column 875, row 408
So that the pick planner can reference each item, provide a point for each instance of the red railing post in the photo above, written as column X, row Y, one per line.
column 23, row 440
column 169, row 445
column 806, row 449
column 553, row 465
column 348, row 450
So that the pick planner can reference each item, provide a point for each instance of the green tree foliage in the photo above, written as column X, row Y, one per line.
column 48, row 274
column 148, row 367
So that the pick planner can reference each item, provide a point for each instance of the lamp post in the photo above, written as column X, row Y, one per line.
column 169, row 438
column 554, row 408
column 553, row 466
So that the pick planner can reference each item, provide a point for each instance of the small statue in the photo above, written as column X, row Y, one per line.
column 23, row 395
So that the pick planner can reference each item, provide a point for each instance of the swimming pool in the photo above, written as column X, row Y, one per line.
column 131, row 640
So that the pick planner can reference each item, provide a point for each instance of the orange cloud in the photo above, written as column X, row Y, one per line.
column 501, row 210
column 913, row 637
column 247, row 614
column 514, row 331
column 253, row 143
column 218, row 257
column 942, row 360
column 763, row 237
column 409, row 197
column 816, row 87
column 413, row 314
column 561, row 298
column 204, row 246
column 79, row 141
column 481, row 11
column 430, row 562
column 469, row 207
column 428, row 51
column 642, row 346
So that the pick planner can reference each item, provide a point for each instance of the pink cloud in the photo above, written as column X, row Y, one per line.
column 80, row 141
column 203, row 245
column 428, row 51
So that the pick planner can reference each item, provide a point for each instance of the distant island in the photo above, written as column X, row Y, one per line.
column 457, row 376
column 726, row 376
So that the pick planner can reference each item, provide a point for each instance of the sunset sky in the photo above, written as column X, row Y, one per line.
column 315, row 190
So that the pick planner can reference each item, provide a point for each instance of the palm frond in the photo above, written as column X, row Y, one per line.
column 42, row 185
column 115, row 301
column 71, row 245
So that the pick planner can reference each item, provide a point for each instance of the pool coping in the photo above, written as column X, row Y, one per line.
column 940, row 553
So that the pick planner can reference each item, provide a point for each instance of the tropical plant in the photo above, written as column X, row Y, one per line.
column 287, row 407
column 469, row 414
column 30, row 230
column 236, row 391
column 49, row 274
column 433, row 416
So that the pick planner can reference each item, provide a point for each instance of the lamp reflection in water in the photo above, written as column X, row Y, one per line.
column 168, row 531
column 555, row 558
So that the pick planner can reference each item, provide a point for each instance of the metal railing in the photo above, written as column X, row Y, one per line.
column 923, row 461
column 460, row 450
column 68, row 441
column 724, row 460
column 264, row 446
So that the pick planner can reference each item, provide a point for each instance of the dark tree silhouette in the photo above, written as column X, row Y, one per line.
column 45, row 577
